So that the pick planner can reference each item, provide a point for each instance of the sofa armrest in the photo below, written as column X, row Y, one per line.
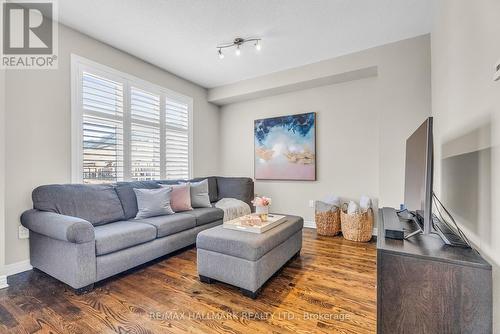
column 57, row 226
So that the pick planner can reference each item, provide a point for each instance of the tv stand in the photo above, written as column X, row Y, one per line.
column 425, row 286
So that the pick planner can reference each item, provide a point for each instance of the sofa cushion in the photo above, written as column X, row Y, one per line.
column 113, row 237
column 205, row 215
column 97, row 204
column 167, row 225
column 125, row 191
column 172, row 182
column 236, row 187
column 212, row 187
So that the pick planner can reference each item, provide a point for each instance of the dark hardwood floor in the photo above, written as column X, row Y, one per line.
column 329, row 289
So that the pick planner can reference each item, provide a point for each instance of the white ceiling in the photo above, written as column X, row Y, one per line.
column 180, row 36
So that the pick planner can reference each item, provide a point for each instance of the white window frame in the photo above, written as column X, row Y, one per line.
column 80, row 64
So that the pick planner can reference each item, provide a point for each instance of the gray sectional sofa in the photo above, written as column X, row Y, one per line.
column 81, row 234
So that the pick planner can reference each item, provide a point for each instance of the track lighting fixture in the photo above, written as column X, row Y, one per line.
column 237, row 43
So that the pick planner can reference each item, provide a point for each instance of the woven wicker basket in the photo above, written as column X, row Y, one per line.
column 327, row 217
column 358, row 226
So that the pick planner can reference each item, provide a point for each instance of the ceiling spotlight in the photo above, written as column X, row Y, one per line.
column 258, row 46
column 237, row 43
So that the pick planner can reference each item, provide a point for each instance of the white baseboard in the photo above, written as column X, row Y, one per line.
column 312, row 224
column 17, row 267
column 3, row 282
column 309, row 224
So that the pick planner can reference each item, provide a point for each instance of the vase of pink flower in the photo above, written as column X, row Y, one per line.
column 262, row 207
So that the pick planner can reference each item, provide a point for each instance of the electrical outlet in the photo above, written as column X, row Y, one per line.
column 311, row 203
column 23, row 232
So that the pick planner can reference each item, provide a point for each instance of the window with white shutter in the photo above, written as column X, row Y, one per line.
column 102, row 129
column 125, row 128
column 145, row 135
column 177, row 139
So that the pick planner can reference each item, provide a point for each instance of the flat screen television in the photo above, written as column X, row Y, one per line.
column 418, row 175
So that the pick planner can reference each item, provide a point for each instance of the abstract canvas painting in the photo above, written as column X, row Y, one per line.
column 285, row 147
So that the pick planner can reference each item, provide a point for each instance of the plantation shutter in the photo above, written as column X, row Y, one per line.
column 177, row 139
column 145, row 135
column 102, row 131
column 126, row 129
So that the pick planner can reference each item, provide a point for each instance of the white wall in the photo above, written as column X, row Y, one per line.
column 38, row 138
column 361, row 128
column 466, row 108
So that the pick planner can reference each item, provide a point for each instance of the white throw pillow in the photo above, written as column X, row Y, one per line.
column 153, row 202
column 352, row 208
column 365, row 203
column 332, row 199
column 199, row 194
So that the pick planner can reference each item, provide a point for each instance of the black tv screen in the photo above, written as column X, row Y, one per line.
column 418, row 174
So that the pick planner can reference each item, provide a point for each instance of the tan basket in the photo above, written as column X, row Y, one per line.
column 327, row 219
column 358, row 226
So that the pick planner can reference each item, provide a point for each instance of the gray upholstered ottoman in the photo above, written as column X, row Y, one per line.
column 244, row 259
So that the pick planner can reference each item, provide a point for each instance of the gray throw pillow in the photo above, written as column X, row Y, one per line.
column 199, row 194
column 153, row 202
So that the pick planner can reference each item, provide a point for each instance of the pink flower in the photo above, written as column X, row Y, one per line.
column 261, row 201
